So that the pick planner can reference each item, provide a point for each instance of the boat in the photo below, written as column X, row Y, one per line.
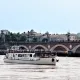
column 15, row 55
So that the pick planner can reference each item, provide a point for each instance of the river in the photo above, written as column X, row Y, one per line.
column 68, row 68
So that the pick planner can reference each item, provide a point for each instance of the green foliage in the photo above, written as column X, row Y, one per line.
column 45, row 40
column 12, row 37
column 35, row 40
column 78, row 35
column 23, row 38
column 68, row 36
column 0, row 39
column 7, row 38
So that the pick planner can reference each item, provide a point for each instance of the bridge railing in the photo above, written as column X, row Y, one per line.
column 21, row 42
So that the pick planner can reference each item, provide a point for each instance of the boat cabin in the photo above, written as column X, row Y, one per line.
column 21, row 56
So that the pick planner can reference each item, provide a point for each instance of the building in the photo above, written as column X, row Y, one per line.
column 73, row 37
column 4, row 31
column 58, row 37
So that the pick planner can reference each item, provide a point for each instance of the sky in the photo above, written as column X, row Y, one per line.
column 54, row 16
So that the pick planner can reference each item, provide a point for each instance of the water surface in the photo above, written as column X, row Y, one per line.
column 68, row 68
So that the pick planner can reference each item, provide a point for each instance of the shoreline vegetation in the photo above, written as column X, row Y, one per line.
column 32, row 36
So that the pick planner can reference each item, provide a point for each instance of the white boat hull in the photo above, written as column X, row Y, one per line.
column 41, row 61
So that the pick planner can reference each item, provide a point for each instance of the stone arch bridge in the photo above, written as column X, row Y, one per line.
column 63, row 47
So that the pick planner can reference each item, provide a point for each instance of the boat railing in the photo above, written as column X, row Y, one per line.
column 25, row 51
column 17, row 51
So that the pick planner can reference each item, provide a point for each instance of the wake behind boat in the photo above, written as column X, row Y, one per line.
column 15, row 55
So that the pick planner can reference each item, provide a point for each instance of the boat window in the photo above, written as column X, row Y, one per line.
column 20, row 55
column 30, row 55
column 24, row 55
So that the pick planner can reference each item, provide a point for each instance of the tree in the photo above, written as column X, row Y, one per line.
column 45, row 40
column 0, row 39
column 35, row 39
column 7, row 38
column 23, row 38
column 18, row 35
column 68, row 36
column 13, row 37
column 48, row 36
column 78, row 36
column 28, row 36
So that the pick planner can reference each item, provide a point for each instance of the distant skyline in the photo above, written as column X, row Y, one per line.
column 54, row 16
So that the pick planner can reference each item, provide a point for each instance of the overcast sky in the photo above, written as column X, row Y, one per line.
column 55, row 16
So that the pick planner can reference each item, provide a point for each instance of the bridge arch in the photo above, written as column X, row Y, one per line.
column 43, row 47
column 59, row 45
column 23, row 47
column 75, row 48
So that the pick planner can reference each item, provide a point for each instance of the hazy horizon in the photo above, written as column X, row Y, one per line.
column 40, row 15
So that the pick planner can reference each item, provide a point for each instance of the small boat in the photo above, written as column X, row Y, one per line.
column 15, row 55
